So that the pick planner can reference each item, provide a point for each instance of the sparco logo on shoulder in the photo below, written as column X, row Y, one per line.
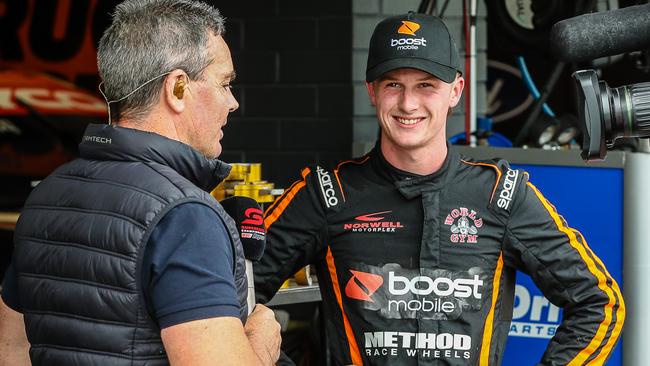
column 327, row 187
column 508, row 189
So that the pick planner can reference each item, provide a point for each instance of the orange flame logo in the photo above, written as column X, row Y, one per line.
column 408, row 28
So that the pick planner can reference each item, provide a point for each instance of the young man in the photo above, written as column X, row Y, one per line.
column 416, row 247
column 122, row 257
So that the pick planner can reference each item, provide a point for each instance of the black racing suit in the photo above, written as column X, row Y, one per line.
column 420, row 270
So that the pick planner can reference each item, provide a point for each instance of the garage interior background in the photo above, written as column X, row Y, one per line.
column 300, row 66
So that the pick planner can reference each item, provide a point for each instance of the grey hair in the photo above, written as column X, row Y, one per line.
column 148, row 38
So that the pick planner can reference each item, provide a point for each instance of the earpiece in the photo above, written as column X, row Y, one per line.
column 179, row 88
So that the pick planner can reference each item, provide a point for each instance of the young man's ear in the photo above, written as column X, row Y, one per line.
column 371, row 93
column 175, row 90
column 456, row 91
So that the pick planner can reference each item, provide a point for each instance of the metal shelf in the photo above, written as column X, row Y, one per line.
column 296, row 294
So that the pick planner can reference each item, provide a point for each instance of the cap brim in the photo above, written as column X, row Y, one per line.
column 442, row 72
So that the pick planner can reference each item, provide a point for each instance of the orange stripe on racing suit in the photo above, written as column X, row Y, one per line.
column 284, row 200
column 355, row 355
column 620, row 313
column 585, row 252
column 489, row 321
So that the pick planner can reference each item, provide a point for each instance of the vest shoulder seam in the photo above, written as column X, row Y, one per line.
column 86, row 350
column 165, row 177
column 85, row 210
column 74, row 280
column 75, row 245
column 114, row 183
column 78, row 317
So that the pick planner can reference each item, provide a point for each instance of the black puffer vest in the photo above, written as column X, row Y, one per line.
column 80, row 242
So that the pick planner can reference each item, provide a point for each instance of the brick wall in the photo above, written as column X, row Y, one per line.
column 293, row 63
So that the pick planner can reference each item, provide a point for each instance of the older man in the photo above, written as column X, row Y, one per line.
column 122, row 257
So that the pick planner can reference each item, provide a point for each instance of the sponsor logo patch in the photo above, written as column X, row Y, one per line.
column 464, row 225
column 362, row 285
column 407, row 43
column 327, row 187
column 375, row 222
column 507, row 189
column 372, row 217
column 408, row 27
column 421, row 345
column 254, row 216
column 401, row 293
column 253, row 226
column 394, row 292
column 99, row 139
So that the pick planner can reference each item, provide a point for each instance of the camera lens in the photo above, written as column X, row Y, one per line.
column 626, row 110
column 610, row 113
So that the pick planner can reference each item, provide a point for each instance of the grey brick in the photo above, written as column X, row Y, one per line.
column 359, row 61
column 318, row 8
column 280, row 101
column 315, row 66
column 365, row 6
column 394, row 7
column 362, row 28
column 362, row 106
column 280, row 33
column 320, row 135
column 335, row 33
column 335, row 100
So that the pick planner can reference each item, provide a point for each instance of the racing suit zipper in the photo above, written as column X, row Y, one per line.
column 429, row 254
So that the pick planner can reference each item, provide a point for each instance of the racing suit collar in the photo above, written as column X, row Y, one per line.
column 412, row 185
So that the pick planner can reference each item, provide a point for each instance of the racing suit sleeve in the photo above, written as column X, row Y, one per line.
column 540, row 243
column 296, row 227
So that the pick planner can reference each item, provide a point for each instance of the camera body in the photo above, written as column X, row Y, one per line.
column 605, row 113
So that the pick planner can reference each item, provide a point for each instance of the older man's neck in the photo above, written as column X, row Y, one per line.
column 153, row 122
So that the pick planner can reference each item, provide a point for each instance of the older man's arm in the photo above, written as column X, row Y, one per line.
column 225, row 341
column 14, row 347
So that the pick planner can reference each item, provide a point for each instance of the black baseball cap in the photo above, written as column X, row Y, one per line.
column 417, row 41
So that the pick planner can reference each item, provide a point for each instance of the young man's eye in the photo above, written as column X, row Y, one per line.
column 392, row 85
column 426, row 85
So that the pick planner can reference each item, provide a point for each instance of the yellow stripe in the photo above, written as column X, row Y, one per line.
column 489, row 322
column 620, row 314
column 282, row 202
column 355, row 355
column 601, row 332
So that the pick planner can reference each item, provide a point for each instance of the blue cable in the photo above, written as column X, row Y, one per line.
column 531, row 85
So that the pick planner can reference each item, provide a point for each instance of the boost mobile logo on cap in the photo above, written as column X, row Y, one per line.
column 408, row 28
column 327, row 187
column 508, row 189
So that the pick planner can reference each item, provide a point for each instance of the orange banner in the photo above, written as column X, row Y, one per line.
column 54, row 36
